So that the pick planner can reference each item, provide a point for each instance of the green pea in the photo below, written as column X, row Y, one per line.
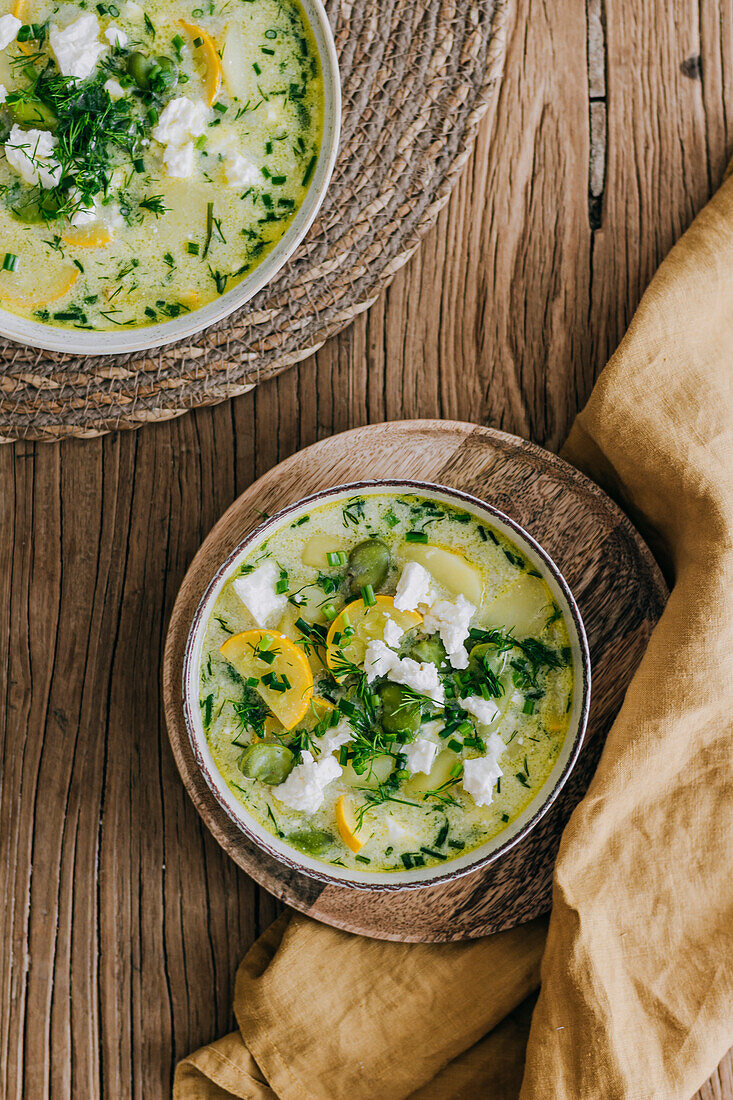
column 429, row 651
column 369, row 563
column 269, row 763
column 32, row 112
column 400, row 711
column 314, row 842
column 139, row 66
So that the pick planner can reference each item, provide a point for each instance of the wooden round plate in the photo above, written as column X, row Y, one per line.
column 615, row 580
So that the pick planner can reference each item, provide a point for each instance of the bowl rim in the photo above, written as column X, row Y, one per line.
column 401, row 882
column 71, row 341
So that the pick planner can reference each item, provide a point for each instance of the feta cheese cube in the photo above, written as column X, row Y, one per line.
column 452, row 621
column 335, row 737
column 305, row 787
column 76, row 47
column 115, row 35
column 485, row 710
column 179, row 160
column 3, row 93
column 392, row 633
column 114, row 89
column 413, row 587
column 420, row 755
column 9, row 27
column 257, row 592
column 481, row 774
column 180, row 120
column 32, row 154
column 240, row 170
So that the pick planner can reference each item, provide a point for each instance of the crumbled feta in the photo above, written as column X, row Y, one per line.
column 114, row 89
column 257, row 592
column 241, row 170
column 335, row 737
column 480, row 775
column 452, row 621
column 179, row 160
column 84, row 214
column 420, row 755
column 115, row 35
column 392, row 633
column 9, row 27
column 485, row 710
column 422, row 678
column 32, row 154
column 3, row 93
column 181, row 120
column 380, row 660
column 413, row 587
column 304, row 789
column 76, row 47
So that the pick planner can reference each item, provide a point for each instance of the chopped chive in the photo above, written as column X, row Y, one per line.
column 193, row 248
column 268, row 147
column 407, row 860
column 251, row 682
column 336, row 557
column 198, row 41
column 221, row 108
column 309, row 170
column 432, row 852
column 267, row 50
column 367, row 595
column 270, row 33
column 505, row 818
column 257, row 69
column 362, row 859
column 454, row 745
column 329, row 611
column 10, row 263
column 529, row 705
column 278, row 180
column 416, row 536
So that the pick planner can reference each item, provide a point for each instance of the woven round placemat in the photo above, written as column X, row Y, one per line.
column 417, row 75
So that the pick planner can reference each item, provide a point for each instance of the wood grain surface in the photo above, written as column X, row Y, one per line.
column 122, row 921
column 611, row 573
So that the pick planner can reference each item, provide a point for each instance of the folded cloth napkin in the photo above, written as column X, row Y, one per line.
column 636, row 996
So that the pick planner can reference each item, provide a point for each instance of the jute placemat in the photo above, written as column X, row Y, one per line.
column 417, row 75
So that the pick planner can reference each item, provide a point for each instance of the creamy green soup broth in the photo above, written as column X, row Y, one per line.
column 386, row 683
column 150, row 155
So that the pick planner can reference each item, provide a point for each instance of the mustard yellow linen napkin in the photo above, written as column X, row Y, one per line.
column 636, row 999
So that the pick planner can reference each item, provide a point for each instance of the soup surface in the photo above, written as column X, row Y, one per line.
column 150, row 156
column 386, row 682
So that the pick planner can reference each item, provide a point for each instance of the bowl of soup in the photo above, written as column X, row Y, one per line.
column 159, row 163
column 387, row 684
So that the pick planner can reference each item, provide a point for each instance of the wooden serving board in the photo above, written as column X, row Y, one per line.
column 620, row 592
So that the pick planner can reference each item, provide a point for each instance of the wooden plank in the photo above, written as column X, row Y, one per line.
column 121, row 921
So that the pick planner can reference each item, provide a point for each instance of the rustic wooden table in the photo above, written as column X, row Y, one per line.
column 122, row 922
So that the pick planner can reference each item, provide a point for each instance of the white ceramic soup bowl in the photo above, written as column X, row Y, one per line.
column 122, row 341
column 422, row 876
